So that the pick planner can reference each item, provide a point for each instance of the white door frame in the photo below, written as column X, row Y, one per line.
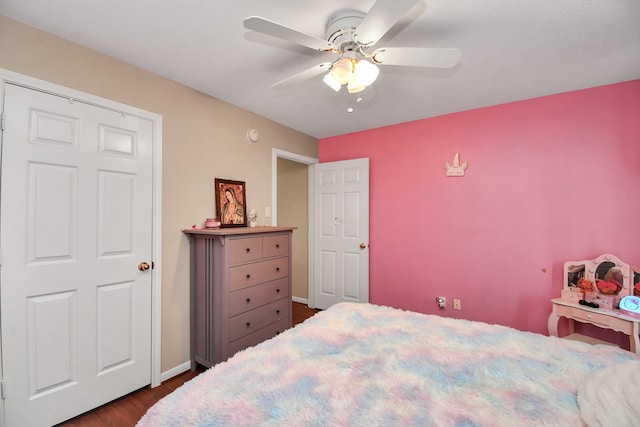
column 275, row 154
column 156, row 273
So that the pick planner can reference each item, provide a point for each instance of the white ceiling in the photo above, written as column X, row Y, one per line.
column 512, row 50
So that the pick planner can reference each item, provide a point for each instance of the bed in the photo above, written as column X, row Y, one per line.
column 369, row 365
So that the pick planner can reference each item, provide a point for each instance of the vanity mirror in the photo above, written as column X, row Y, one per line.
column 603, row 281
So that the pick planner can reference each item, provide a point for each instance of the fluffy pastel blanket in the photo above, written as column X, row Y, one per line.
column 367, row 365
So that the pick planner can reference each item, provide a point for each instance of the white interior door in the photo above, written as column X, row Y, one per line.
column 75, row 223
column 341, row 232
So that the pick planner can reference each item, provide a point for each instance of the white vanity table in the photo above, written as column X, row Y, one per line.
column 608, row 319
column 597, row 272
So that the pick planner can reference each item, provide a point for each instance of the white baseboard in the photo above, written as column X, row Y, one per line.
column 300, row 300
column 184, row 367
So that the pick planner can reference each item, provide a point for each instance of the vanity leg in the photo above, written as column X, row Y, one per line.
column 552, row 324
column 571, row 325
column 634, row 342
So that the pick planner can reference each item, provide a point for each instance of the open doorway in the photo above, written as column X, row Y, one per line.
column 291, row 207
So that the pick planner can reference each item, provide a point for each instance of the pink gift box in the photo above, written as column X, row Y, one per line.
column 604, row 301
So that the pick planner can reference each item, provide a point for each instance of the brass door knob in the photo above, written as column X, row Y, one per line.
column 363, row 245
column 143, row 266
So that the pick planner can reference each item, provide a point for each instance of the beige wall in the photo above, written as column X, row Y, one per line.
column 203, row 138
column 293, row 211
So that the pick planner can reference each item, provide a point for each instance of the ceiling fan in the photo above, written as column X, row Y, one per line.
column 352, row 35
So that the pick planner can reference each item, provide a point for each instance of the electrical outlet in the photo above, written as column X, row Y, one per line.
column 442, row 302
column 267, row 212
column 457, row 304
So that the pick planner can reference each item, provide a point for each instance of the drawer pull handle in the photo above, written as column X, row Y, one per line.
column 277, row 268
column 277, row 246
column 248, row 324
column 278, row 291
column 248, row 300
column 248, row 276
column 248, row 250
column 277, row 311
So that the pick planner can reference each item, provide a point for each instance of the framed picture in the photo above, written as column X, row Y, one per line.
column 231, row 202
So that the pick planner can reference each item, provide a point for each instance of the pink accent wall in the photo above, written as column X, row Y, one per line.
column 550, row 179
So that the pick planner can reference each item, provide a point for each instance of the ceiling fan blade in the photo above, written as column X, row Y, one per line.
column 383, row 15
column 271, row 28
column 303, row 75
column 418, row 57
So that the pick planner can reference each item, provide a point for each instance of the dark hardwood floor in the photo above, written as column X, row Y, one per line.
column 127, row 410
column 301, row 312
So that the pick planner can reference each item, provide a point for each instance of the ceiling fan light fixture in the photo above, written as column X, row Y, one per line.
column 365, row 73
column 342, row 70
column 352, row 35
column 354, row 87
column 329, row 81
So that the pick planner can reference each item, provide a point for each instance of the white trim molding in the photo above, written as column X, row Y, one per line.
column 309, row 161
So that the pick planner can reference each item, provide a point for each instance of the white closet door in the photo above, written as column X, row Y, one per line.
column 76, row 209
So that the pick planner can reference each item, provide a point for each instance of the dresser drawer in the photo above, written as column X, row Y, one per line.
column 590, row 317
column 257, row 337
column 244, row 250
column 273, row 246
column 256, row 296
column 251, row 321
column 246, row 275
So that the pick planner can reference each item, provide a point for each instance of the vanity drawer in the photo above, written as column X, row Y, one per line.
column 251, row 321
column 590, row 317
column 275, row 246
column 244, row 250
column 255, row 296
column 262, row 335
column 243, row 276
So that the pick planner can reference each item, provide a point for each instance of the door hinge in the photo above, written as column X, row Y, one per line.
column 3, row 119
column 3, row 390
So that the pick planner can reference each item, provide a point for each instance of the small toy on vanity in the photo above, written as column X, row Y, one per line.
column 630, row 305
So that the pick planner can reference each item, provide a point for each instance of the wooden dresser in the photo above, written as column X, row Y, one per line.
column 240, row 289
